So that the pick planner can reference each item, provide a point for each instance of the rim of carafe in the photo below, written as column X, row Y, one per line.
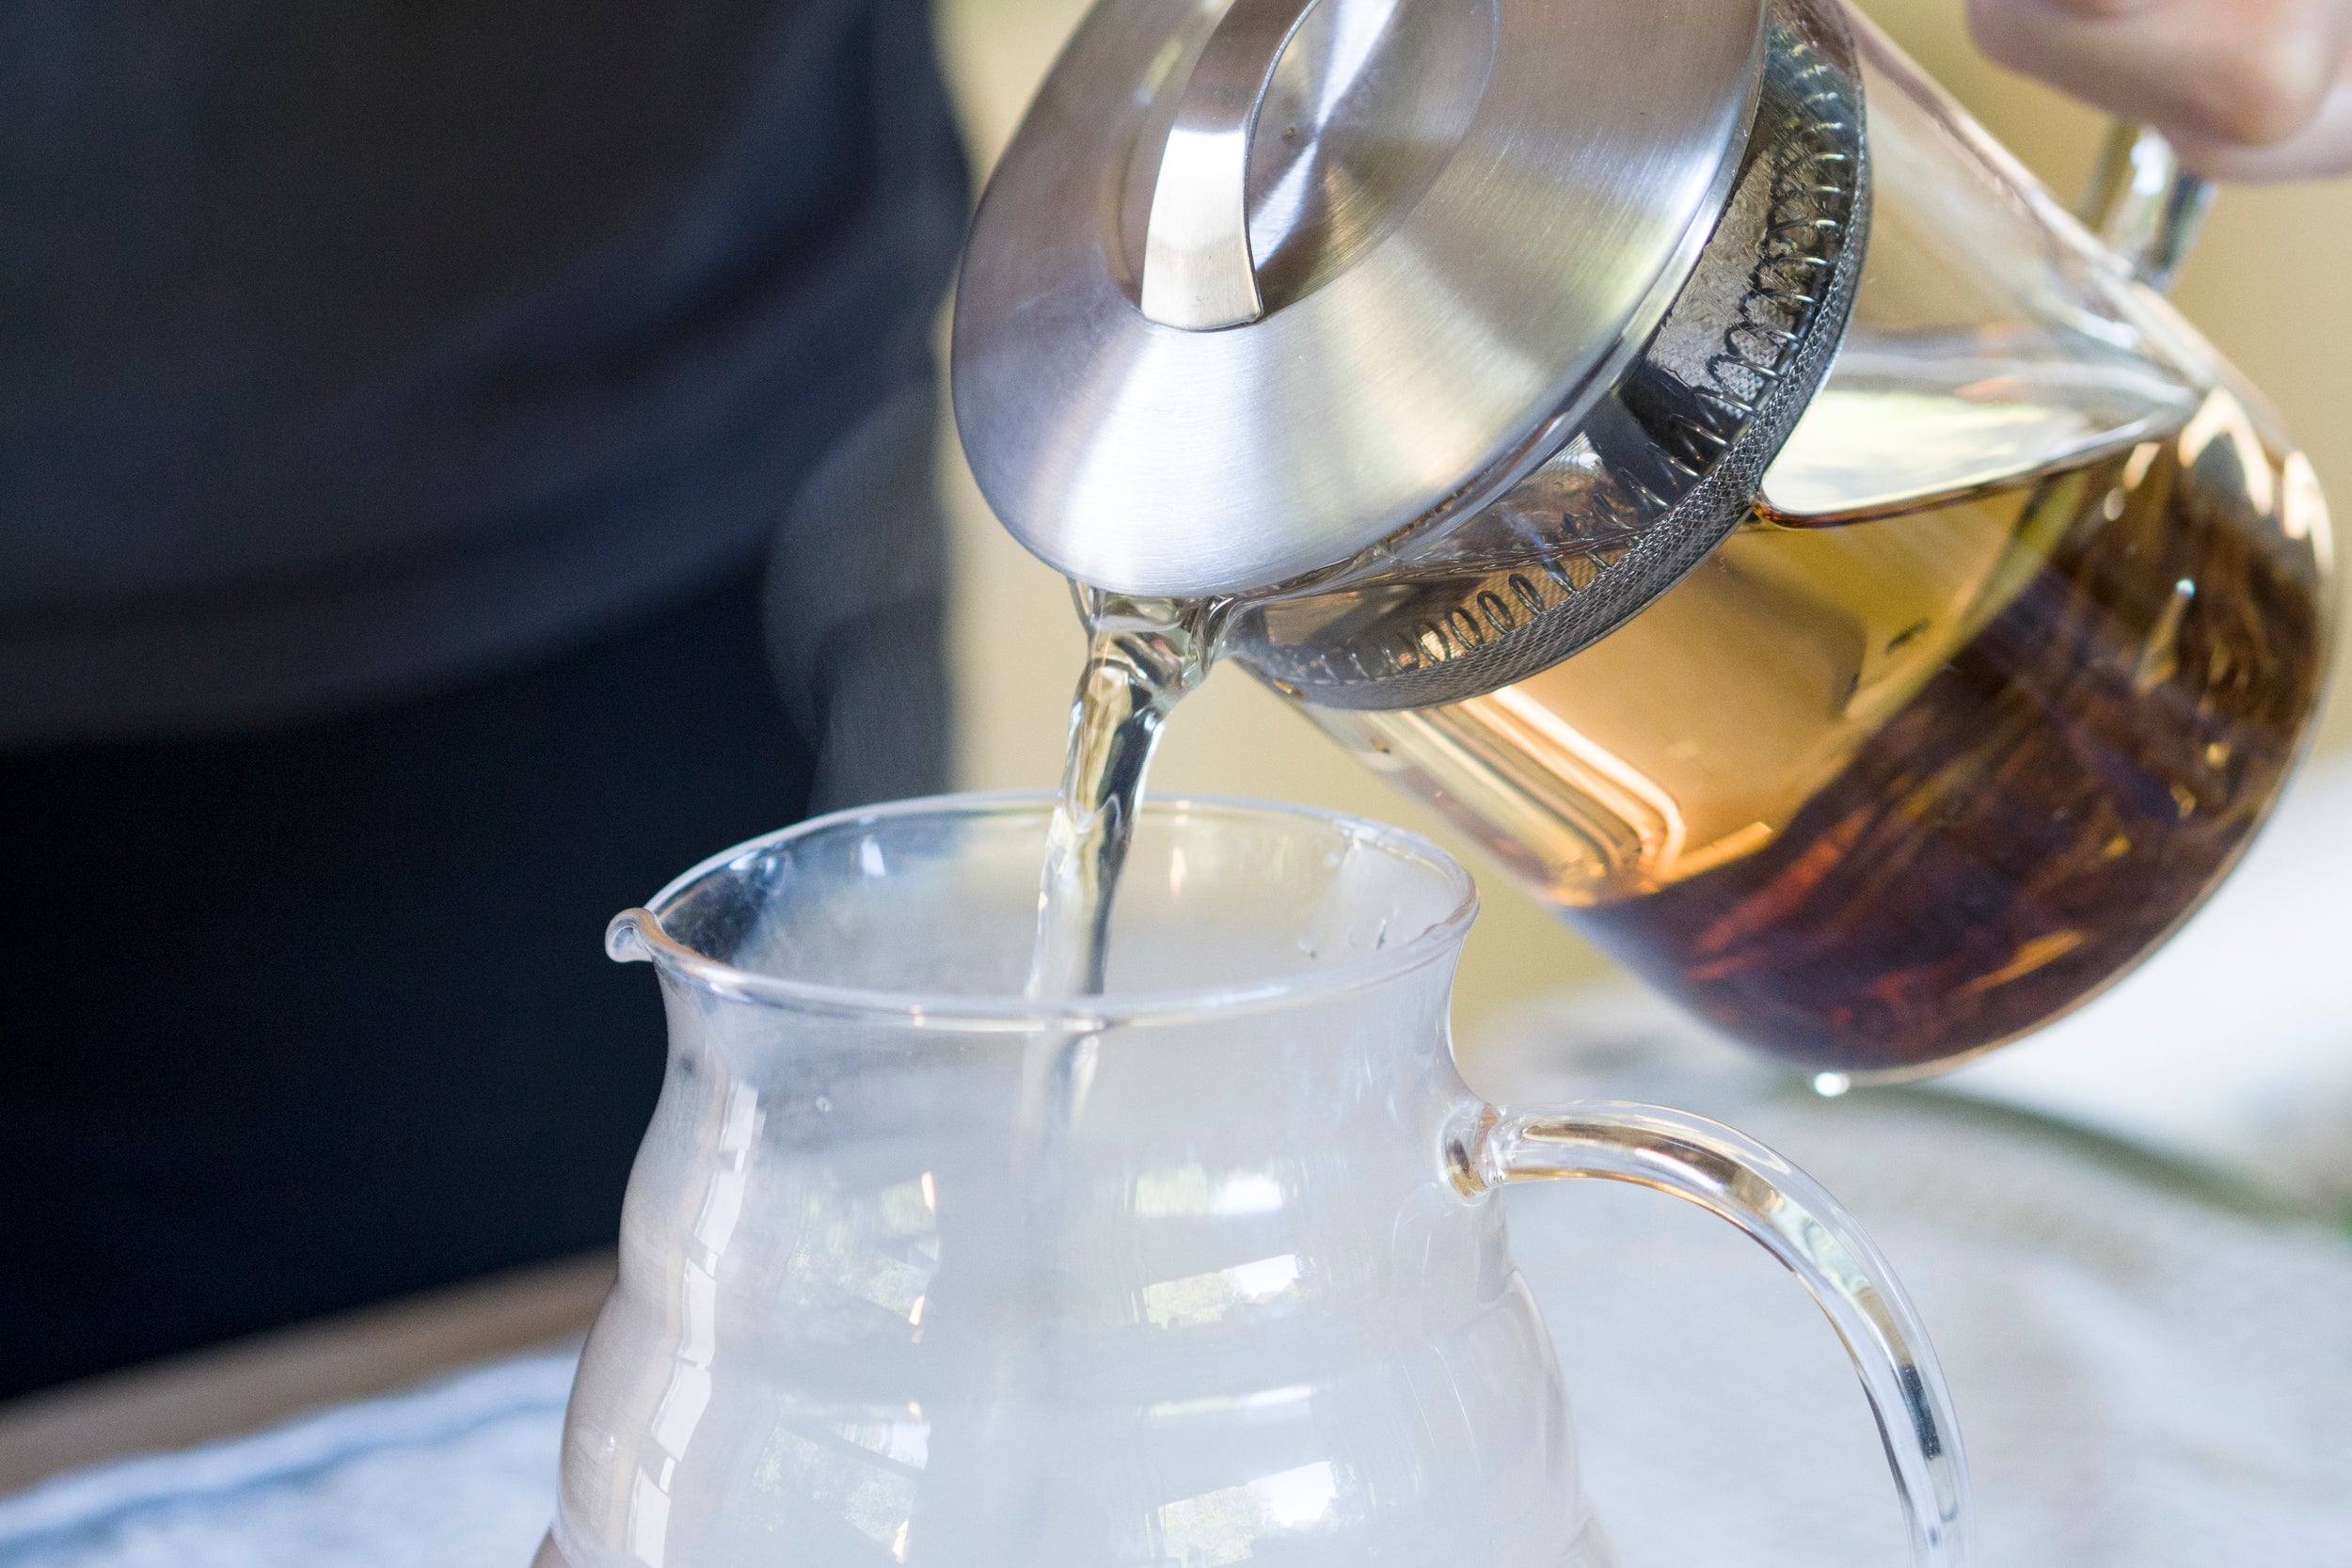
column 999, row 1014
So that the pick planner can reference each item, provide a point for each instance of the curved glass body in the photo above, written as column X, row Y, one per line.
column 2007, row 663
column 1202, row 1271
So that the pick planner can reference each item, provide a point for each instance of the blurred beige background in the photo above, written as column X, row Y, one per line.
column 2265, row 283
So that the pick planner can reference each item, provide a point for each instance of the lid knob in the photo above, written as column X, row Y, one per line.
column 1198, row 270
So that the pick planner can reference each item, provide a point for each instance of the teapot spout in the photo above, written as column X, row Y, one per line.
column 625, row 938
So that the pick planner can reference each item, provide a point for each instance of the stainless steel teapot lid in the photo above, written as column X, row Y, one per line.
column 1257, row 285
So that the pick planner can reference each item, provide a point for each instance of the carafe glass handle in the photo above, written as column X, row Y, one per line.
column 1796, row 1221
column 2143, row 205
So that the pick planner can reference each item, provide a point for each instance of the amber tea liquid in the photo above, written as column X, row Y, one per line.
column 1875, row 791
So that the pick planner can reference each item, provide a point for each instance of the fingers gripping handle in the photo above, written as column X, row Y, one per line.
column 1797, row 1221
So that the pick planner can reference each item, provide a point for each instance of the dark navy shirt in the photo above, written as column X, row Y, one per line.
column 346, row 345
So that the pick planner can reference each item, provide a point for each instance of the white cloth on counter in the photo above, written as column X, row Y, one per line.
column 459, row 1475
column 2150, row 1373
column 2152, row 1369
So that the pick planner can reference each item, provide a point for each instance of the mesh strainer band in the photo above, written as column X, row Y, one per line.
column 1666, row 467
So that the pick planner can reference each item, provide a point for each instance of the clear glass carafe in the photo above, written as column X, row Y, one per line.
column 1206, row 1270
column 2004, row 668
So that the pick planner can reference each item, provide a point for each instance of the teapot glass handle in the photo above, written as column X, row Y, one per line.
column 2143, row 205
column 1796, row 1221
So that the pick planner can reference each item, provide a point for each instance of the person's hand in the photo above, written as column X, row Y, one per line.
column 2247, row 90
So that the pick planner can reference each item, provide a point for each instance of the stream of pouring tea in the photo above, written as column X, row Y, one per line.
column 1142, row 657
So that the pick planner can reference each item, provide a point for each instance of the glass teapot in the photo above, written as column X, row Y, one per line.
column 1208, row 1269
column 1671, row 439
